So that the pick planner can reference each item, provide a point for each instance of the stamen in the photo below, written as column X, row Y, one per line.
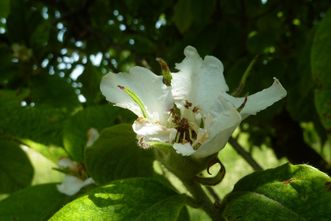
column 190, row 134
column 183, row 140
column 177, row 137
column 176, row 115
column 135, row 98
column 195, row 109
column 187, row 104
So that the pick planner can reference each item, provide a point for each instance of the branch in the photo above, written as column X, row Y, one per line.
column 242, row 152
column 203, row 200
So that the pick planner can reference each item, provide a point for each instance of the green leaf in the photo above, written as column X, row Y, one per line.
column 287, row 192
column 53, row 91
column 98, row 117
column 42, row 125
column 11, row 98
column 16, row 171
column 4, row 8
column 183, row 17
column 115, row 155
column 40, row 36
column 33, row 203
column 321, row 70
column 138, row 199
column 300, row 96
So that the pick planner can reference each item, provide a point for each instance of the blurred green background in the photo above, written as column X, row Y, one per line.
column 53, row 54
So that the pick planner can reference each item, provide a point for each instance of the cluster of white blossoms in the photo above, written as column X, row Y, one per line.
column 194, row 113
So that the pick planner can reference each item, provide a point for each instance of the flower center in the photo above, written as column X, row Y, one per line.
column 189, row 123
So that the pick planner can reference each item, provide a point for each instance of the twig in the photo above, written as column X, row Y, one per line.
column 242, row 152
column 214, row 195
column 203, row 200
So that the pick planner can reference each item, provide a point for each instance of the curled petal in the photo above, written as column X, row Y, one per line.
column 72, row 185
column 184, row 149
column 149, row 87
column 199, row 81
column 220, row 129
column 260, row 100
column 152, row 132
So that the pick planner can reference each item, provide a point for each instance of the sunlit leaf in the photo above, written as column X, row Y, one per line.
column 125, row 200
column 285, row 193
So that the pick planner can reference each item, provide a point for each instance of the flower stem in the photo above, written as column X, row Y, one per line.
column 213, row 194
column 242, row 152
column 203, row 200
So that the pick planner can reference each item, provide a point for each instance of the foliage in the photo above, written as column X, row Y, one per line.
column 53, row 55
column 284, row 193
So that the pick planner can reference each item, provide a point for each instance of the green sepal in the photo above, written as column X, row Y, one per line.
column 212, row 181
column 165, row 71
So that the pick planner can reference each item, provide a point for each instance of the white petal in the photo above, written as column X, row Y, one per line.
column 260, row 100
column 220, row 131
column 71, row 185
column 184, row 149
column 153, row 131
column 145, row 84
column 92, row 136
column 67, row 163
column 198, row 81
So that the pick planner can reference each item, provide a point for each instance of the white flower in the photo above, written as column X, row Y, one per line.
column 194, row 115
column 73, row 181
column 92, row 136
column 72, row 185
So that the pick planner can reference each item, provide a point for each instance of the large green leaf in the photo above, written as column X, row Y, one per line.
column 98, row 117
column 33, row 203
column 138, row 199
column 16, row 171
column 287, row 192
column 115, row 155
column 321, row 70
column 42, row 125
